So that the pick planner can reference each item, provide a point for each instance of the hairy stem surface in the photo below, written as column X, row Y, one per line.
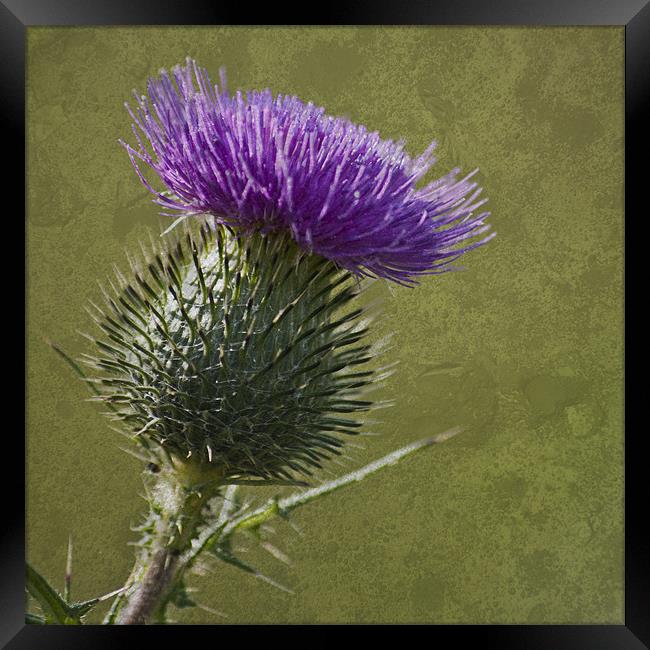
column 177, row 517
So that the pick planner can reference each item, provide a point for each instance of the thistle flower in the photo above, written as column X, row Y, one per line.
column 234, row 354
column 266, row 163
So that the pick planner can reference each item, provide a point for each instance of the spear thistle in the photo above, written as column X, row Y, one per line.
column 234, row 352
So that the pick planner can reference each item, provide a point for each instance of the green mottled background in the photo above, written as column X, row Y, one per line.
column 517, row 520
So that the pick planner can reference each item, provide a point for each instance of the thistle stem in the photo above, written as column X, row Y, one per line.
column 147, row 596
column 158, row 564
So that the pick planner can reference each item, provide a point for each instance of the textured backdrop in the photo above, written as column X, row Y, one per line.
column 517, row 520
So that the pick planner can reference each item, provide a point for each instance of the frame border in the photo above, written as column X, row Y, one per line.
column 634, row 15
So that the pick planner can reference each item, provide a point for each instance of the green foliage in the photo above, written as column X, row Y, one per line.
column 56, row 609
column 241, row 354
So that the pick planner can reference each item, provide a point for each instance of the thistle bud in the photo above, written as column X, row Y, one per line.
column 235, row 357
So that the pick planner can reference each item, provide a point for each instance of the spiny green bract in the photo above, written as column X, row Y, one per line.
column 236, row 352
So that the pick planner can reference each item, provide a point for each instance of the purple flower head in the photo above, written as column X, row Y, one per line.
column 260, row 162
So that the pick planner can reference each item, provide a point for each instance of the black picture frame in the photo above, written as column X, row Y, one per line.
column 634, row 15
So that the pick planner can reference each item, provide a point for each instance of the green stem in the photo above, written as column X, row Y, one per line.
column 283, row 506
